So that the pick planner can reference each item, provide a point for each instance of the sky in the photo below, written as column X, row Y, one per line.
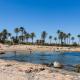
column 41, row 15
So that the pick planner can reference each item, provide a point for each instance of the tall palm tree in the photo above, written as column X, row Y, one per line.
column 16, row 30
column 27, row 36
column 32, row 36
column 65, row 38
column 4, row 35
column 20, row 39
column 61, row 37
column 58, row 33
column 0, row 36
column 9, row 35
column 79, row 38
column 72, row 38
column 55, row 38
column 50, row 38
column 69, row 36
column 12, row 39
column 43, row 35
column 22, row 30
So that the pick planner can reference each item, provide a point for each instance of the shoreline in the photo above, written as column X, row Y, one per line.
column 33, row 48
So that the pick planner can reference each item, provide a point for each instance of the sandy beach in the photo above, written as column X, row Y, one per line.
column 12, row 70
column 33, row 48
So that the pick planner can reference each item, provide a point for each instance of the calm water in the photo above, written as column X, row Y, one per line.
column 67, row 58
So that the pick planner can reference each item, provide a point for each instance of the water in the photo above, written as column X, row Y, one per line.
column 66, row 58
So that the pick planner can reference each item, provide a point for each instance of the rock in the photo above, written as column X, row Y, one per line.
column 41, row 69
column 28, row 71
column 2, row 53
column 57, row 65
column 77, row 68
column 8, row 65
column 48, row 64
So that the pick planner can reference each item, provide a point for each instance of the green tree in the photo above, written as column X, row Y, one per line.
column 32, row 36
column 0, row 36
column 58, row 33
column 4, row 35
column 69, row 36
column 16, row 30
column 55, row 38
column 72, row 38
column 65, row 38
column 61, row 37
column 22, row 31
column 27, row 36
column 9, row 35
column 78, row 38
column 44, row 35
column 50, row 38
column 13, row 39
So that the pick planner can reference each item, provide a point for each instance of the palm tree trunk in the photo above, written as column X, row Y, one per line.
column 56, row 42
column 22, row 37
column 72, row 41
column 69, row 40
column 32, row 41
column 79, row 41
column 27, row 40
column 50, row 41
column 61, row 41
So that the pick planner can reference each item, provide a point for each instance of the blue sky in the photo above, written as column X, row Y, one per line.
column 39, row 15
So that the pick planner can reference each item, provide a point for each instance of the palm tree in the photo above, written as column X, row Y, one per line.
column 27, row 36
column 32, row 36
column 61, row 37
column 69, row 36
column 43, row 35
column 55, row 38
column 65, row 37
column 58, row 32
column 79, row 38
column 4, row 35
column 0, row 36
column 20, row 39
column 12, row 39
column 50, row 38
column 9, row 35
column 72, row 38
column 16, row 30
column 22, row 30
